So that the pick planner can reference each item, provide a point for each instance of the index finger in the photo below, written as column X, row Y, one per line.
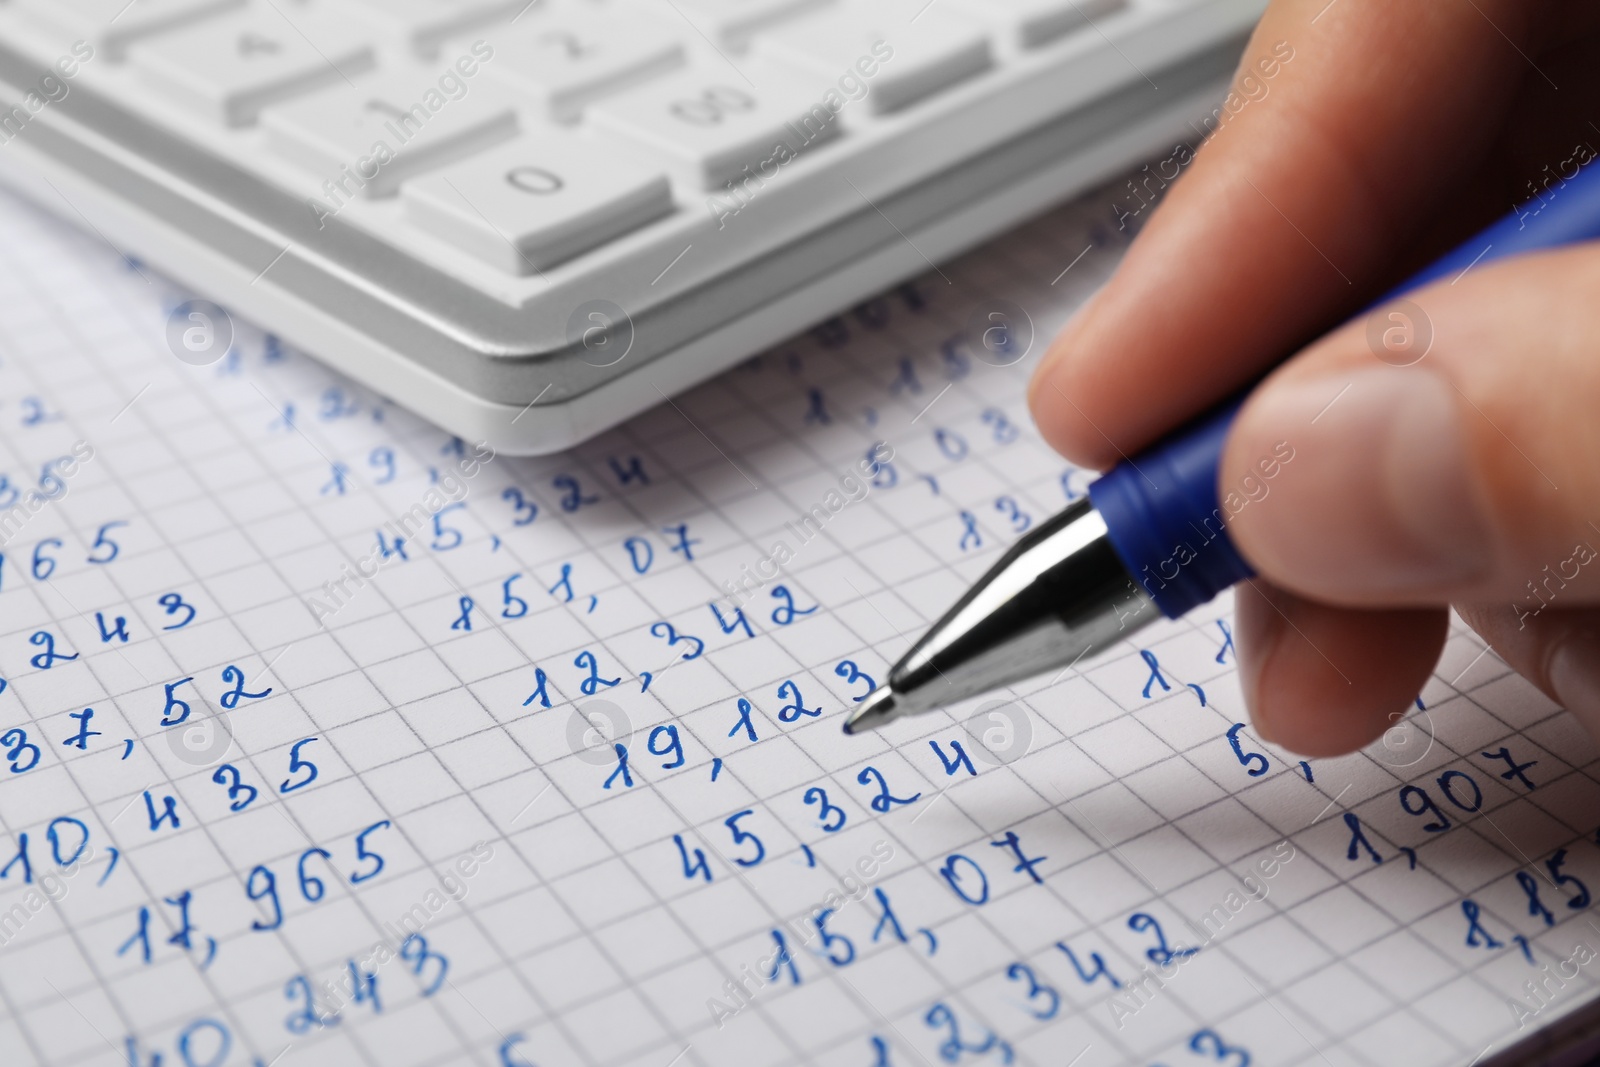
column 1347, row 126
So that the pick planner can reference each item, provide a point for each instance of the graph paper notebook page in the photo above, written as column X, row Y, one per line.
column 327, row 739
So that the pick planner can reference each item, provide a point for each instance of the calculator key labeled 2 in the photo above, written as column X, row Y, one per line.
column 230, row 68
column 538, row 201
column 566, row 60
column 389, row 128
column 711, row 126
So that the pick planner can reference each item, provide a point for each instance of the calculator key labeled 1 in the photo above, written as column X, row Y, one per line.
column 567, row 60
column 1035, row 23
column 538, row 201
column 899, row 63
column 388, row 128
column 112, row 25
column 420, row 25
column 710, row 125
column 230, row 68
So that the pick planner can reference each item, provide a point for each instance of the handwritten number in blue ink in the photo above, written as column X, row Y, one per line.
column 362, row 854
column 1019, row 519
column 952, row 444
column 786, row 612
column 728, row 625
column 792, row 711
column 34, row 412
column 884, row 801
column 951, row 1048
column 572, row 497
column 1446, row 784
column 695, row 867
column 21, row 754
column 670, row 745
column 826, row 810
column 104, row 550
column 415, row 951
column 296, row 765
column 515, row 607
column 47, row 659
column 1208, row 1042
column 674, row 638
column 311, row 887
column 174, row 603
column 852, row 674
column 1416, row 801
column 382, row 459
column 231, row 698
column 1554, row 864
column 741, row 836
column 1246, row 759
column 44, row 566
column 523, row 510
column 1162, row 954
column 594, row 682
column 1021, row 972
column 304, row 1018
column 268, row 890
column 1005, row 431
column 228, row 775
column 446, row 537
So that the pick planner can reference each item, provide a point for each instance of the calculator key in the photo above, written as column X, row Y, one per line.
column 566, row 61
column 389, row 127
column 733, row 21
column 230, row 68
column 538, row 201
column 710, row 125
column 110, row 26
column 1034, row 23
column 420, row 25
column 900, row 62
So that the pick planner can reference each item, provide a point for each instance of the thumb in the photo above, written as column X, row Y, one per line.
column 1443, row 448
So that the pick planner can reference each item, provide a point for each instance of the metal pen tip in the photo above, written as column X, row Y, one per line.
column 879, row 708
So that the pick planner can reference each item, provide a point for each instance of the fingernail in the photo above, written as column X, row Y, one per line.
column 1379, row 497
column 1575, row 677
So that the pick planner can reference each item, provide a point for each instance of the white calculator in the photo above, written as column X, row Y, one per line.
column 527, row 220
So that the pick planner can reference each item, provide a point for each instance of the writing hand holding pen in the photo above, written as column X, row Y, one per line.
column 1450, row 457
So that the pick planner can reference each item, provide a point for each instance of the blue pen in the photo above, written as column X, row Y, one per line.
column 1151, row 538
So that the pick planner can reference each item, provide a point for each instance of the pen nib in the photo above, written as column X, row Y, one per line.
column 878, row 709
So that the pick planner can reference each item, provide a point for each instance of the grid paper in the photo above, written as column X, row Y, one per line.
column 1095, row 893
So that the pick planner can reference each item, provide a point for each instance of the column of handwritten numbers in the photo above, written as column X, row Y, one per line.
column 887, row 919
column 405, row 784
column 594, row 663
column 749, row 724
column 166, row 812
column 303, row 771
column 813, row 572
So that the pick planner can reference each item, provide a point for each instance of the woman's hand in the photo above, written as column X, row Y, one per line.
column 1468, row 477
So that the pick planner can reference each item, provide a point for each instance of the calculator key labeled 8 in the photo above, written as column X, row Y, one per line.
column 538, row 201
column 710, row 126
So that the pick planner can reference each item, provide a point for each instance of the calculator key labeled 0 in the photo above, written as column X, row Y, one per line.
column 538, row 201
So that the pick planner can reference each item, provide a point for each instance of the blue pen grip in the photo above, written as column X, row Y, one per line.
column 1162, row 510
column 1164, row 517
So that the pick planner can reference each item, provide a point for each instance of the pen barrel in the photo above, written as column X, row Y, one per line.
column 1162, row 511
column 1166, row 521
